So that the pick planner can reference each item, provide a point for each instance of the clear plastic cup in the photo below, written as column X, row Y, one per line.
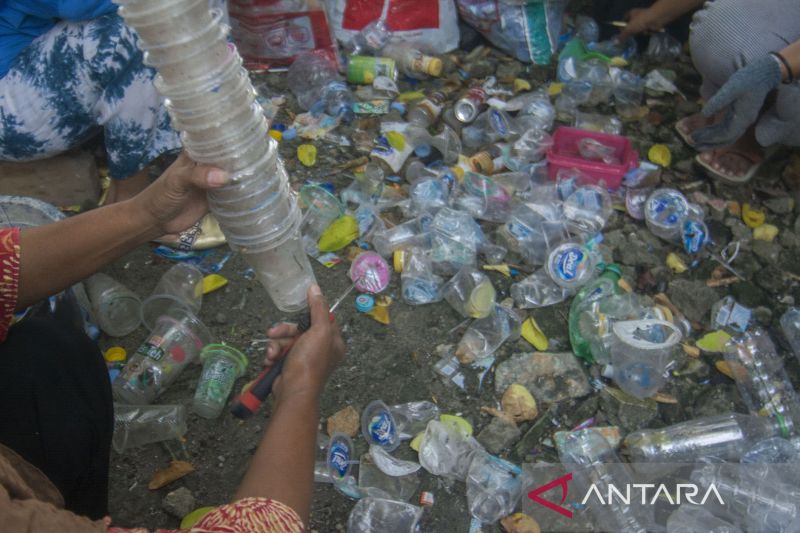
column 571, row 265
column 269, row 217
column 471, row 293
column 230, row 94
column 378, row 426
column 243, row 240
column 218, row 129
column 249, row 201
column 284, row 270
column 181, row 287
column 641, row 352
column 168, row 21
column 117, row 309
column 628, row 94
column 233, row 158
column 192, row 59
column 174, row 342
column 252, row 179
column 664, row 212
column 322, row 208
column 222, row 366
column 185, row 94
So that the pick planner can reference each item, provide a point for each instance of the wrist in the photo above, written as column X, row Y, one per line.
column 146, row 224
column 296, row 398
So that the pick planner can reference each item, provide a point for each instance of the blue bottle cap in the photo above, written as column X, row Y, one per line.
column 399, row 106
column 290, row 134
column 279, row 127
column 364, row 303
column 422, row 150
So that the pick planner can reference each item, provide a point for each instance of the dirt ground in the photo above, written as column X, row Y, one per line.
column 394, row 363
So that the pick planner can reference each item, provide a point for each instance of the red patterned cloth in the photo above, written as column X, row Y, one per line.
column 9, row 277
column 248, row 515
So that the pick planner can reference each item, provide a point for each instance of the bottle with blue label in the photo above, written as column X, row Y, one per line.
column 490, row 126
column 670, row 216
column 379, row 427
column 571, row 265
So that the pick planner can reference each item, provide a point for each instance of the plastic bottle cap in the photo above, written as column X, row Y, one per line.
column 482, row 162
column 115, row 354
column 422, row 150
column 459, row 172
column 435, row 67
column 275, row 134
column 364, row 303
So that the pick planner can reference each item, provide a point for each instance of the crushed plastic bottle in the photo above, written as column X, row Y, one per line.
column 376, row 515
column 538, row 290
column 412, row 62
column 790, row 324
column 494, row 486
column 694, row 519
column 447, row 451
column 489, row 127
column 485, row 335
column 724, row 437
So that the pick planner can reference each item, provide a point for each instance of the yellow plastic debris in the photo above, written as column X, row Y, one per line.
column 342, row 232
column 660, row 155
column 714, row 342
column 191, row 519
column 532, row 333
column 396, row 140
column 410, row 96
column 416, row 441
column 276, row 134
column 398, row 260
column 115, row 354
column 307, row 154
column 380, row 312
column 618, row 61
column 457, row 423
column 554, row 89
column 521, row 85
column 752, row 217
column 503, row 269
column 765, row 232
column 725, row 368
column 676, row 264
column 213, row 282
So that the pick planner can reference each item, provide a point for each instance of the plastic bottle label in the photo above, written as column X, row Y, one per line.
column 519, row 231
column 151, row 350
column 364, row 69
column 498, row 122
column 694, row 236
column 569, row 264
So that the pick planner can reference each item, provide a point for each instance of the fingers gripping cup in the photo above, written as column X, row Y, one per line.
column 222, row 365
column 176, row 339
column 181, row 287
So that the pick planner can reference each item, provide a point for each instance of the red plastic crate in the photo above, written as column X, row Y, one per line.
column 564, row 154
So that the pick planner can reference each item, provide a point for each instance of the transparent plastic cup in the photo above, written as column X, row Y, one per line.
column 249, row 201
column 168, row 21
column 117, row 309
column 192, row 59
column 249, row 241
column 231, row 94
column 185, row 94
column 322, row 208
column 174, row 342
column 232, row 158
column 664, row 211
column 222, row 366
column 181, row 287
column 471, row 293
column 269, row 217
column 571, row 265
column 641, row 351
column 378, row 426
column 628, row 94
column 284, row 270
column 254, row 178
column 245, row 122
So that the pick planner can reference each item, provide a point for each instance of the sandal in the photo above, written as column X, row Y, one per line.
column 736, row 180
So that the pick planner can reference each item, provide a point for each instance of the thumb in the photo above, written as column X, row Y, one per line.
column 318, row 306
column 208, row 177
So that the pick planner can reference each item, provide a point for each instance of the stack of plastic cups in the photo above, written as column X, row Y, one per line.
column 211, row 100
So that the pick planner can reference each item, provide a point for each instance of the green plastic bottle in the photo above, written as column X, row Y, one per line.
column 604, row 285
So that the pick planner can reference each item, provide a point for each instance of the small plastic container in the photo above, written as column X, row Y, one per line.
column 571, row 265
column 117, row 309
column 168, row 20
column 180, row 287
column 471, row 293
column 233, row 158
column 322, row 208
column 267, row 172
column 665, row 211
column 278, row 233
column 284, row 270
column 222, row 366
column 641, row 351
column 176, row 339
column 269, row 193
column 270, row 216
column 223, row 126
column 188, row 95
column 199, row 57
column 564, row 155
column 339, row 457
column 222, row 107
column 378, row 426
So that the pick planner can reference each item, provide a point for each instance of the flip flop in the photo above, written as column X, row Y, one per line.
column 687, row 137
column 736, row 180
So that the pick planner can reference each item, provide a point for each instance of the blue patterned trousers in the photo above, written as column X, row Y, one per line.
column 75, row 81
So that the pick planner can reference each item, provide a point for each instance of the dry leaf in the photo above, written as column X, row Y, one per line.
column 175, row 471
column 691, row 351
column 519, row 404
column 498, row 414
column 663, row 397
column 725, row 368
column 520, row 523
column 344, row 421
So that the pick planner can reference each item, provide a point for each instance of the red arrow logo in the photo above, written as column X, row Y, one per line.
column 560, row 482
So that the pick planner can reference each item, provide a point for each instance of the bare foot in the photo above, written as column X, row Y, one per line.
column 735, row 161
column 128, row 188
column 687, row 126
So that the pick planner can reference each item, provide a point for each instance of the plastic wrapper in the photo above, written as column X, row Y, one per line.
column 526, row 29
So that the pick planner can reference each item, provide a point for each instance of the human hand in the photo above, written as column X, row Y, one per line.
column 640, row 20
column 314, row 355
column 177, row 199
column 741, row 98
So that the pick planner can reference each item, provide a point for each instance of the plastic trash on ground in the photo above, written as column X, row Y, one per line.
column 137, row 425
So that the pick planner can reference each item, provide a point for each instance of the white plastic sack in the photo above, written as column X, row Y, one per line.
column 430, row 25
column 526, row 29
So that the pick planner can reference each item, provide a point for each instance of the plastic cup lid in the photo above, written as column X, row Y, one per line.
column 228, row 351
column 379, row 427
column 370, row 272
column 319, row 198
column 364, row 303
column 339, row 456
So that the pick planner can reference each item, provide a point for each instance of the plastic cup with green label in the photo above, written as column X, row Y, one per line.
column 176, row 339
column 222, row 365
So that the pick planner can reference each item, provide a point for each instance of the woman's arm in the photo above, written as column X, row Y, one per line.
column 283, row 465
column 792, row 55
column 54, row 256
column 655, row 17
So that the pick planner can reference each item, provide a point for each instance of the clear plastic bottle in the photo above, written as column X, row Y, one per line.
column 725, row 437
column 376, row 515
column 592, row 461
column 427, row 111
column 790, row 324
column 485, row 335
column 309, row 74
column 490, row 126
column 538, row 290
column 412, row 62
column 491, row 159
column 137, row 425
column 762, row 379
column 337, row 100
column 602, row 287
column 694, row 519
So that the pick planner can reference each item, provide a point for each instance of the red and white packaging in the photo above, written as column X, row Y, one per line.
column 270, row 33
column 429, row 25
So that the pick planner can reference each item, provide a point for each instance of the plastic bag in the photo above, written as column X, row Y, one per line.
column 430, row 25
column 273, row 32
column 526, row 29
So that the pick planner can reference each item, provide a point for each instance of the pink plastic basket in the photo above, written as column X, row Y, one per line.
column 564, row 154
